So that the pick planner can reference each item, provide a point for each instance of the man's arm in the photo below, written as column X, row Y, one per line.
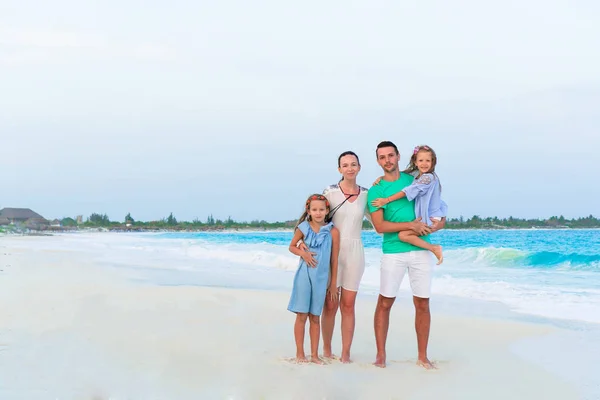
column 437, row 225
column 383, row 226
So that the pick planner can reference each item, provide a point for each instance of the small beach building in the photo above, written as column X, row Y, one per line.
column 21, row 215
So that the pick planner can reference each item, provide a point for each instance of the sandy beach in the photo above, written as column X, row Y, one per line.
column 72, row 329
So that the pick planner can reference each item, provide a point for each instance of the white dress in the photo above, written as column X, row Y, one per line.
column 349, row 220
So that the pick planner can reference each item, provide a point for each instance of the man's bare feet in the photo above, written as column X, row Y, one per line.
column 437, row 251
column 425, row 363
column 380, row 361
column 301, row 359
column 330, row 356
column 316, row 360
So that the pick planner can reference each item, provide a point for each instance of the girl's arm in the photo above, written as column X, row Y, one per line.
column 307, row 256
column 335, row 251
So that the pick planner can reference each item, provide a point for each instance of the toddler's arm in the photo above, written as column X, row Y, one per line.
column 419, row 186
column 380, row 202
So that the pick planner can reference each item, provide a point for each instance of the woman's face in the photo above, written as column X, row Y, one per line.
column 349, row 167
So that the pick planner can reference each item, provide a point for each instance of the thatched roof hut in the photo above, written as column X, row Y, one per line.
column 19, row 214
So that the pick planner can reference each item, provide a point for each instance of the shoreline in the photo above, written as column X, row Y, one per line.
column 247, row 230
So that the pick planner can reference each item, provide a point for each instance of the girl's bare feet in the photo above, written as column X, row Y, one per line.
column 301, row 358
column 316, row 360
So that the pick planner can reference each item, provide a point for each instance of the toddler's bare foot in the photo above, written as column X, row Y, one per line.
column 437, row 251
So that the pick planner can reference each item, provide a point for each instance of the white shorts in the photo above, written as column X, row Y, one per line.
column 418, row 263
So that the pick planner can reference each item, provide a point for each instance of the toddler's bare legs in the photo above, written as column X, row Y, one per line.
column 412, row 238
column 299, row 327
column 315, row 333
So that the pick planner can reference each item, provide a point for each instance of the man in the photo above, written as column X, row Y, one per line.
column 399, row 257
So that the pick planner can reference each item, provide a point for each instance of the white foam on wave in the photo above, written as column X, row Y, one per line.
column 466, row 273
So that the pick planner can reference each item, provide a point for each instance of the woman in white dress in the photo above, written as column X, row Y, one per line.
column 349, row 207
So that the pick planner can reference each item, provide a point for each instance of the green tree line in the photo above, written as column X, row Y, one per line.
column 212, row 223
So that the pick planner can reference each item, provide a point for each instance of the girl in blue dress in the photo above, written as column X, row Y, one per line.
column 426, row 191
column 316, row 276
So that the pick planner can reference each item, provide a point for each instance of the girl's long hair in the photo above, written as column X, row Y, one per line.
column 312, row 197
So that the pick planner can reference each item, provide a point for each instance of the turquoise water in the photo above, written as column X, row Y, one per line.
column 544, row 273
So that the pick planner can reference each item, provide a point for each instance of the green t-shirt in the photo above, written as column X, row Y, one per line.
column 401, row 210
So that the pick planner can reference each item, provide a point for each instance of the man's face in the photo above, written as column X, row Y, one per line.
column 388, row 159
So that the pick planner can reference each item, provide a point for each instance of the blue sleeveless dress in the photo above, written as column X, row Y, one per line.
column 310, row 284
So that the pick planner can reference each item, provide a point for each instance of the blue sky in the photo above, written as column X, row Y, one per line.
column 241, row 108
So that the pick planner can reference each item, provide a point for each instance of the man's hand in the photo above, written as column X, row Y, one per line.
column 420, row 228
column 437, row 225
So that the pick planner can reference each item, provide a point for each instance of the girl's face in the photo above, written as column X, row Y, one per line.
column 424, row 161
column 317, row 210
column 349, row 167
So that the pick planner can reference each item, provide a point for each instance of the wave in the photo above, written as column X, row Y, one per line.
column 508, row 257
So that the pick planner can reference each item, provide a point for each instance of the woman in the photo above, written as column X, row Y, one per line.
column 348, row 203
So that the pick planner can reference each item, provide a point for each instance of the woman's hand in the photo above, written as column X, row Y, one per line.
column 380, row 202
column 377, row 180
column 302, row 246
column 309, row 258
column 333, row 292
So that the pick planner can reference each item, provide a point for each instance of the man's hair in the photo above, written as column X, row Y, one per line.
column 386, row 143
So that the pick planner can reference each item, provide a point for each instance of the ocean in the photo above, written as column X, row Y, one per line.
column 545, row 273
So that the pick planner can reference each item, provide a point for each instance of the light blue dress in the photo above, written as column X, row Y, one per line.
column 310, row 284
column 427, row 195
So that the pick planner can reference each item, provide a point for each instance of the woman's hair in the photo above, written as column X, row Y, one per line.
column 347, row 153
column 312, row 197
column 412, row 164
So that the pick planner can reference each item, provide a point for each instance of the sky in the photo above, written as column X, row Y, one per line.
column 241, row 109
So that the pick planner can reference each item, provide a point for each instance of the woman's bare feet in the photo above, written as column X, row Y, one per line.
column 345, row 358
column 437, row 251
column 425, row 363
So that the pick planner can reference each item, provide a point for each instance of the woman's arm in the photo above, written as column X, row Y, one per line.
column 307, row 256
column 335, row 251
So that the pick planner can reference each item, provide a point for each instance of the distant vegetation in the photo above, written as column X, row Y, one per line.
column 210, row 223
column 170, row 223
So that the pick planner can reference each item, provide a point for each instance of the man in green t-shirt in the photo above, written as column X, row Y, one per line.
column 399, row 257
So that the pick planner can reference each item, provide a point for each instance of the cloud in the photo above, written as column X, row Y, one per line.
column 50, row 39
column 34, row 47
